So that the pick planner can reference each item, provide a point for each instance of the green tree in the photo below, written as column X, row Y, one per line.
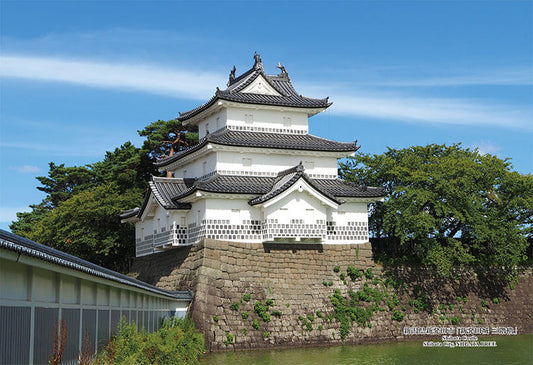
column 87, row 225
column 162, row 137
column 450, row 205
column 62, row 182
column 80, row 213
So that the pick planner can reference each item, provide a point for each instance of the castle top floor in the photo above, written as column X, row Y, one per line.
column 256, row 102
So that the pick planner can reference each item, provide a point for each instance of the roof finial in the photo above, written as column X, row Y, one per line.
column 258, row 65
column 232, row 74
column 283, row 70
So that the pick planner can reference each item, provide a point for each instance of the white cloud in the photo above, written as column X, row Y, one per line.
column 506, row 77
column 134, row 77
column 486, row 147
column 347, row 100
column 9, row 214
column 26, row 169
column 432, row 110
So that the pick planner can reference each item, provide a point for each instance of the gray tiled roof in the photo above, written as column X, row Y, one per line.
column 281, row 83
column 24, row 246
column 285, row 180
column 268, row 187
column 164, row 189
column 306, row 142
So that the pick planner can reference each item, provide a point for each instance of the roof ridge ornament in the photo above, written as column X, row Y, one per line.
column 232, row 75
column 283, row 70
column 258, row 65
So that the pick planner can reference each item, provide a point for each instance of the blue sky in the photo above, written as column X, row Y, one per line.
column 79, row 78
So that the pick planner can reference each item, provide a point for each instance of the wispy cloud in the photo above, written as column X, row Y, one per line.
column 26, row 169
column 134, row 77
column 190, row 84
column 9, row 214
column 433, row 110
column 486, row 147
column 519, row 76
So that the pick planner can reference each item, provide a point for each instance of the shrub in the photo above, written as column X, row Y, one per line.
column 319, row 314
column 325, row 283
column 342, row 276
column 287, row 305
column 368, row 273
column 244, row 331
column 330, row 283
column 309, row 326
column 276, row 313
column 398, row 316
column 229, row 339
column 255, row 324
column 244, row 315
column 311, row 318
column 270, row 302
column 455, row 320
column 483, row 303
column 320, row 328
column 215, row 319
column 266, row 334
column 246, row 297
column 353, row 273
column 495, row 300
column 130, row 346
column 337, row 269
column 234, row 306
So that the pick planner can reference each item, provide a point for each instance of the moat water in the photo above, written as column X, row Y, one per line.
column 509, row 350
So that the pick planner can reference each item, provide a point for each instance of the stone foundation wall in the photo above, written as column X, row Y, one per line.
column 301, row 278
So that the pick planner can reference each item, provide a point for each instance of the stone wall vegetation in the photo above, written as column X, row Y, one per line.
column 273, row 295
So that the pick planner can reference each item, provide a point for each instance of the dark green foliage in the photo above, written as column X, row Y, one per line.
column 255, row 324
column 495, row 300
column 319, row 314
column 262, row 311
column 230, row 339
column 80, row 213
column 234, row 306
column 483, row 303
column 276, row 313
column 455, row 320
column 246, row 297
column 176, row 342
column 244, row 331
column 215, row 319
column 88, row 225
column 330, row 283
column 325, row 283
column 398, row 316
column 337, row 269
column 265, row 334
column 269, row 302
column 448, row 205
column 320, row 327
column 368, row 273
column 309, row 326
column 354, row 273
column 244, row 315
column 310, row 317
column 420, row 304
column 342, row 276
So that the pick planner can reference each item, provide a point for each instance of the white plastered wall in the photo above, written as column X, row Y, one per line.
column 198, row 167
column 297, row 205
column 349, row 212
column 267, row 118
column 236, row 210
column 212, row 123
column 231, row 161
